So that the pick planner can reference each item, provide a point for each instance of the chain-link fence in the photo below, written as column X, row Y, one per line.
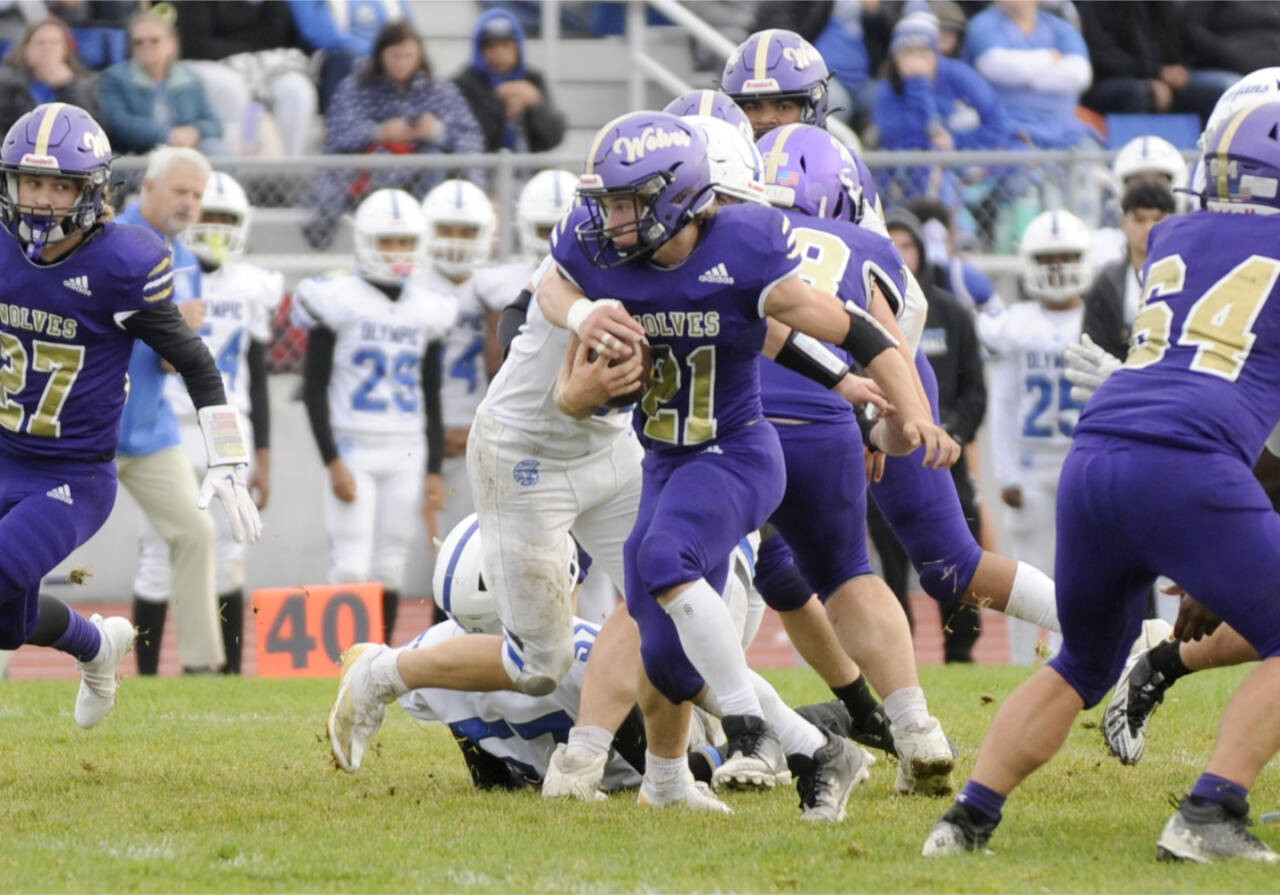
column 301, row 204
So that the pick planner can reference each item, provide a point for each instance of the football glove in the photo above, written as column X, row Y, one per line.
column 1088, row 366
column 228, row 461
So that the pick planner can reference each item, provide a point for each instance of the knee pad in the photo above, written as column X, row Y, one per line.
column 947, row 579
column 536, row 672
column 778, row 580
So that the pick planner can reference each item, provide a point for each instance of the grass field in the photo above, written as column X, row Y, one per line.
column 220, row 785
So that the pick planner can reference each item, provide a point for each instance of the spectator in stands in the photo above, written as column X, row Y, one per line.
column 250, row 52
column 1139, row 66
column 1241, row 36
column 1038, row 65
column 853, row 38
column 392, row 104
column 946, row 266
column 952, row 24
column 343, row 31
column 153, row 99
column 42, row 68
column 1111, row 303
column 950, row 341
column 508, row 100
column 99, row 28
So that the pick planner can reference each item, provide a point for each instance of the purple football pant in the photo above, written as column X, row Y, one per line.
column 1129, row 511
column 923, row 509
column 822, row 520
column 47, row 509
column 695, row 506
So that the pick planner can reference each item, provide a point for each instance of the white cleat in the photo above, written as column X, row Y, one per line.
column 925, row 759
column 571, row 776
column 98, row 680
column 826, row 780
column 695, row 797
column 358, row 711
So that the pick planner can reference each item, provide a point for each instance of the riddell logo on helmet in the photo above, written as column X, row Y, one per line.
column 650, row 139
column 32, row 160
column 756, row 85
column 802, row 56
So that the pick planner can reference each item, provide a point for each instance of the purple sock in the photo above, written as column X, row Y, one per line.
column 983, row 801
column 81, row 639
column 1213, row 789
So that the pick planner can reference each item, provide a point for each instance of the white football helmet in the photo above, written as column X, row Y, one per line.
column 1049, row 235
column 736, row 167
column 543, row 201
column 458, row 203
column 212, row 242
column 458, row 582
column 1148, row 155
column 389, row 213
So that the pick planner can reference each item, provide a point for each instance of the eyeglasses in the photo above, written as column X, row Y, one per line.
column 145, row 41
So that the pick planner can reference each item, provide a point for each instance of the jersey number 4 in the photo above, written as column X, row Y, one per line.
column 1219, row 324
column 63, row 364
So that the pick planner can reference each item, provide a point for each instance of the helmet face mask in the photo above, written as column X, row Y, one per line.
column 62, row 141
column 1055, row 254
column 223, row 228
column 459, row 227
column 658, row 163
column 389, row 214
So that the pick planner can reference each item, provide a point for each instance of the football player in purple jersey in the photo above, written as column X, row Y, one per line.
column 1159, row 481
column 77, row 291
column 701, row 282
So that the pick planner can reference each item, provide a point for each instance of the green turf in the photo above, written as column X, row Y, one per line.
column 226, row 786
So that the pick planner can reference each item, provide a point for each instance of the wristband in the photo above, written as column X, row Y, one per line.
column 866, row 338
column 581, row 309
column 224, row 442
column 810, row 358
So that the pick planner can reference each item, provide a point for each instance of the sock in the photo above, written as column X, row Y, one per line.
column 1032, row 598
column 231, row 614
column 386, row 676
column 148, row 618
column 707, row 635
column 390, row 609
column 797, row 735
column 1167, row 659
column 667, row 775
column 65, row 630
column 858, row 699
column 906, row 707
column 589, row 741
column 987, row 803
column 1212, row 789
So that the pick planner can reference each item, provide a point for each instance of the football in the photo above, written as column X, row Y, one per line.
column 646, row 360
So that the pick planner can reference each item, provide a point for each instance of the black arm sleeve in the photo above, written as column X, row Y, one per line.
column 431, row 380
column 259, row 402
column 971, row 387
column 317, row 367
column 866, row 338
column 165, row 330
column 513, row 317
column 810, row 358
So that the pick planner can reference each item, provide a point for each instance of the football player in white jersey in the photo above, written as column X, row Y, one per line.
column 460, row 225
column 1032, row 411
column 369, row 392
column 240, row 299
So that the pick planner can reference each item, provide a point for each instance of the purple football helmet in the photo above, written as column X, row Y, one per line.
column 660, row 162
column 59, row 140
column 777, row 64
column 1242, row 162
column 808, row 169
column 712, row 104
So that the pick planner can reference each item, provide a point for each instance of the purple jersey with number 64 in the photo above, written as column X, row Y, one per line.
column 1204, row 368
column 704, row 320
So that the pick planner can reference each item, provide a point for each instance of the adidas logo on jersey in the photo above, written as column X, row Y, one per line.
column 78, row 284
column 717, row 274
column 62, row 493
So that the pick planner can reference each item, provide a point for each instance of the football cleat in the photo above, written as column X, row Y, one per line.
column 694, row 796
column 957, row 832
column 574, row 776
column 98, row 682
column 755, row 757
column 358, row 711
column 826, row 780
column 875, row 732
column 1204, row 832
column 926, row 757
column 1124, row 723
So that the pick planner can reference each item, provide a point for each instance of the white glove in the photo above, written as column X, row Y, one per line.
column 228, row 458
column 1088, row 366
column 227, row 482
